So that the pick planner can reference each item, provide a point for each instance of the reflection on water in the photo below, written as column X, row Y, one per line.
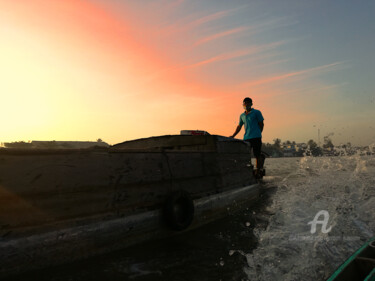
column 269, row 241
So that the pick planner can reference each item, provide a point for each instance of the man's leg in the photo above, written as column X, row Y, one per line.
column 257, row 149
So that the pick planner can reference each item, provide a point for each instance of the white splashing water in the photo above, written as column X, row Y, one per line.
column 344, row 186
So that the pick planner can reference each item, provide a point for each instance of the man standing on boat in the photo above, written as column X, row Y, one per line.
column 253, row 121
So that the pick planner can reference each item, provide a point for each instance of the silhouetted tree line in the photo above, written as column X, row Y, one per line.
column 50, row 144
column 17, row 144
column 311, row 148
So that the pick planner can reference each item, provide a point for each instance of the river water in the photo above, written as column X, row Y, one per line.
column 271, row 240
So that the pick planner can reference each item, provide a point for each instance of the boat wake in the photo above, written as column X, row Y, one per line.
column 338, row 193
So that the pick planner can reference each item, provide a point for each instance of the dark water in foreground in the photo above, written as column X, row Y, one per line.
column 263, row 242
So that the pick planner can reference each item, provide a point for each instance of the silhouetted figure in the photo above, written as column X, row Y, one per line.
column 252, row 119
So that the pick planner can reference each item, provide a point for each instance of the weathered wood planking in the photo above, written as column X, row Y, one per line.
column 77, row 203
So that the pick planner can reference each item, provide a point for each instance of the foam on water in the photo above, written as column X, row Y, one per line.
column 344, row 187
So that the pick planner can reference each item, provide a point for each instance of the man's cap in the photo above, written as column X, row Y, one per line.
column 248, row 100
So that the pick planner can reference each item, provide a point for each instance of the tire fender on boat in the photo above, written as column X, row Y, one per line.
column 179, row 210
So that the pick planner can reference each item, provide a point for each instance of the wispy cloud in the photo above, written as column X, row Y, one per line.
column 188, row 23
column 270, row 79
column 220, row 35
column 255, row 28
column 167, row 5
column 211, row 17
column 321, row 89
column 175, row 4
column 261, row 57
column 273, row 63
column 273, row 23
column 237, row 54
column 223, row 57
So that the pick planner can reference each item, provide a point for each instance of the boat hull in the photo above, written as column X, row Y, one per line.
column 66, row 245
column 57, row 206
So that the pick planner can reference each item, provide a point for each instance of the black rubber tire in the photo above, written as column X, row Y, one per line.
column 179, row 210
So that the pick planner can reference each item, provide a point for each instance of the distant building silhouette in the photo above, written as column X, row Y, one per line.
column 56, row 144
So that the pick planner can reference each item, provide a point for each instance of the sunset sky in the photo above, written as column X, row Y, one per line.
column 121, row 70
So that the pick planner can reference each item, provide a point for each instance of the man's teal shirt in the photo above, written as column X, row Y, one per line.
column 250, row 122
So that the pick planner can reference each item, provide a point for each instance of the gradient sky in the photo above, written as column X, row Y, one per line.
column 120, row 70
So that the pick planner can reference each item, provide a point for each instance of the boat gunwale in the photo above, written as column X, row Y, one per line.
column 170, row 148
column 344, row 265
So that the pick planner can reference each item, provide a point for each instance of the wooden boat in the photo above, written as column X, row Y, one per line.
column 358, row 267
column 60, row 205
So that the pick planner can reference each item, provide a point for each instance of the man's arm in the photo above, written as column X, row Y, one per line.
column 261, row 125
column 238, row 129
